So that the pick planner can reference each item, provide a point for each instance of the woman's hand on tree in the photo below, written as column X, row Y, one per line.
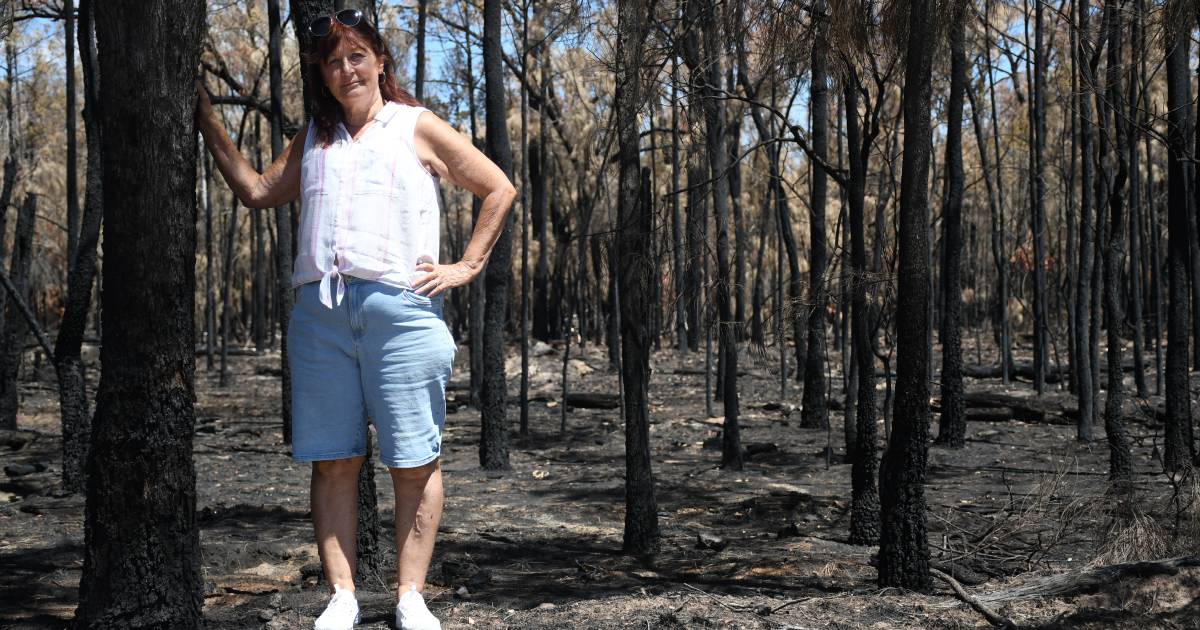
column 440, row 278
column 204, row 108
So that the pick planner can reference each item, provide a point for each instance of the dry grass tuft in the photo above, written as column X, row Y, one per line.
column 1143, row 537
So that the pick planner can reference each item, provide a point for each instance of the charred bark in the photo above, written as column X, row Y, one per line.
column 1120, row 459
column 952, row 427
column 15, row 326
column 864, row 489
column 903, row 548
column 68, row 364
column 142, row 549
column 493, row 439
column 1178, row 447
column 637, row 275
column 813, row 411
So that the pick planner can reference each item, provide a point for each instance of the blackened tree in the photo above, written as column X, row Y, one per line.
column 813, row 411
column 1178, row 448
column 493, row 438
column 637, row 271
column 952, row 427
column 142, row 550
column 903, row 549
column 72, row 390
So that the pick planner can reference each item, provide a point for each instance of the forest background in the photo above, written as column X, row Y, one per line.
column 766, row 202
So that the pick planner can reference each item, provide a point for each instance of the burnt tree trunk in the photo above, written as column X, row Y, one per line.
column 1178, row 445
column 72, row 160
column 142, row 549
column 68, row 364
column 697, row 185
column 864, row 489
column 1136, row 260
column 677, row 226
column 419, row 78
column 903, row 548
column 999, row 229
column 813, row 411
column 544, row 321
column 711, row 49
column 952, row 427
column 283, row 216
column 15, row 327
column 1120, row 459
column 1038, row 206
column 493, row 438
column 1082, row 362
column 637, row 275
column 12, row 166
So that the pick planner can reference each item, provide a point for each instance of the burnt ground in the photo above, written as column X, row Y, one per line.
column 539, row 546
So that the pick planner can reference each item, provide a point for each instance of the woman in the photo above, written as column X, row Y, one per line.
column 366, row 338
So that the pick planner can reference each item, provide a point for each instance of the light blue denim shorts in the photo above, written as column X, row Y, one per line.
column 383, row 355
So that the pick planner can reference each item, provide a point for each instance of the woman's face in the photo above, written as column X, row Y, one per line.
column 351, row 72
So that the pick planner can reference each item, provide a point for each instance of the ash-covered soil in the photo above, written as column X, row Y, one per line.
column 539, row 546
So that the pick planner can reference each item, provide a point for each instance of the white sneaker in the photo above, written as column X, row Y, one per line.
column 411, row 613
column 341, row 613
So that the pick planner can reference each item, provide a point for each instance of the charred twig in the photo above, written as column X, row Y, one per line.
column 993, row 618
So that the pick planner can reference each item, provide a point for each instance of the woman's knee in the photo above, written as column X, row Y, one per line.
column 419, row 474
column 335, row 469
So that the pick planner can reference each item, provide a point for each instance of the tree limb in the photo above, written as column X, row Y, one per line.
column 28, row 314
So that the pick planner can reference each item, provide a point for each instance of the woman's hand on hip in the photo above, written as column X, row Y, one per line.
column 440, row 278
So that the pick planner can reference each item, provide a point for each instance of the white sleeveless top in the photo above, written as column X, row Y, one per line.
column 368, row 207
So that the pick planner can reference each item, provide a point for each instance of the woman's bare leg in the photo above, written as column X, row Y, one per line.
column 418, row 513
column 334, row 497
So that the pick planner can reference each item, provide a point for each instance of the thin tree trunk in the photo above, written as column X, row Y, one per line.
column 210, row 301
column 259, row 261
column 637, row 274
column 1038, row 214
column 419, row 79
column 733, row 149
column 1082, row 362
column 864, row 492
column 12, row 166
column 73, row 218
column 903, row 548
column 1120, row 459
column 1135, row 205
column 68, row 363
column 681, row 268
column 814, row 413
column 283, row 216
column 15, row 327
column 952, row 429
column 999, row 236
column 493, row 439
column 714, row 116
column 525, row 302
column 1178, row 446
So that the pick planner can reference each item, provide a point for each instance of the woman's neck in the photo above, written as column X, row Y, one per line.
column 356, row 117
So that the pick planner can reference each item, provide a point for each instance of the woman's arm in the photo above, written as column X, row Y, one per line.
column 277, row 185
column 451, row 155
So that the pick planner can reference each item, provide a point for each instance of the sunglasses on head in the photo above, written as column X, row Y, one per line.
column 321, row 26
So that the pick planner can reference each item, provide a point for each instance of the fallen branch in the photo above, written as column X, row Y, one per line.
column 593, row 400
column 1084, row 581
column 993, row 618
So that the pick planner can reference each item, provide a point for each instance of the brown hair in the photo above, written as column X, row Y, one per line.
column 326, row 110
